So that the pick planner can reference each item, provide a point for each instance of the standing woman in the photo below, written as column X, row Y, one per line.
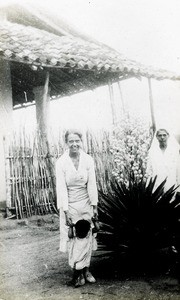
column 163, row 159
column 77, row 199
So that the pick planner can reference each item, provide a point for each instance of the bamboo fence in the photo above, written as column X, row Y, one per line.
column 98, row 146
column 30, row 170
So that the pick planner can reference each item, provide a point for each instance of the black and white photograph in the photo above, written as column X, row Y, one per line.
column 89, row 149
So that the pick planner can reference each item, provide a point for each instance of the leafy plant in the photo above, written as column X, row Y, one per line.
column 138, row 224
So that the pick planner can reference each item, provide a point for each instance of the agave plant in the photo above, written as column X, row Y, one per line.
column 139, row 224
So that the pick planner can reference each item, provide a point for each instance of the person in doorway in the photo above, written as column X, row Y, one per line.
column 77, row 199
column 164, row 160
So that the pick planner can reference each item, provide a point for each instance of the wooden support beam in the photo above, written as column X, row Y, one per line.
column 42, row 98
column 6, row 123
column 151, row 101
column 121, row 96
column 112, row 101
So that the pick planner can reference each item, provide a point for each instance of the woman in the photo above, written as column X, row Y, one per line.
column 163, row 159
column 77, row 199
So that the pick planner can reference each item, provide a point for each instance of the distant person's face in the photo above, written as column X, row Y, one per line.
column 74, row 143
column 162, row 137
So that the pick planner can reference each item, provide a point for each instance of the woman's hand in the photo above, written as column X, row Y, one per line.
column 68, row 218
column 95, row 212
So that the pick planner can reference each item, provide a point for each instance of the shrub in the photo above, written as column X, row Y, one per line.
column 138, row 224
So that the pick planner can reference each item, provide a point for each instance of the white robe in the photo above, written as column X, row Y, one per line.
column 164, row 164
column 76, row 192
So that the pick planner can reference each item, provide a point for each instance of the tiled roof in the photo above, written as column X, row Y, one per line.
column 29, row 45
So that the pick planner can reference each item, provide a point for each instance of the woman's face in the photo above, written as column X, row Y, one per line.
column 162, row 137
column 74, row 143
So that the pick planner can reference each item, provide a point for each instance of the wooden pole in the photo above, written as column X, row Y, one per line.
column 8, row 175
column 42, row 113
column 121, row 96
column 111, row 94
column 6, row 109
column 151, row 106
column 42, row 108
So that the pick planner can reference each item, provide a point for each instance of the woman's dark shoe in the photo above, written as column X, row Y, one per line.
column 80, row 281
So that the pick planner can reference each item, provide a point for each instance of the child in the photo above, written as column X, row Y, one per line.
column 81, row 232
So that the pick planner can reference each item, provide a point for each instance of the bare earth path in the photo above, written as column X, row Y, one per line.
column 31, row 267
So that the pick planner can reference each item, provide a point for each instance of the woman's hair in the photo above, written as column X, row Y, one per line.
column 82, row 228
column 72, row 131
column 162, row 129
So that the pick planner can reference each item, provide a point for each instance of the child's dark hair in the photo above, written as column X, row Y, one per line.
column 82, row 228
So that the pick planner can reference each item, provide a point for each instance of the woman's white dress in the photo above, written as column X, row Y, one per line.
column 76, row 192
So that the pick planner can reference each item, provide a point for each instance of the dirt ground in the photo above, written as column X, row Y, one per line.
column 31, row 267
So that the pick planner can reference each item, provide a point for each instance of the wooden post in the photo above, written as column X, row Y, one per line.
column 6, row 109
column 151, row 106
column 113, row 109
column 42, row 98
column 121, row 96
